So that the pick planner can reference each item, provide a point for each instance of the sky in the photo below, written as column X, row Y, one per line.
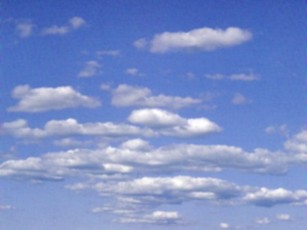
column 153, row 115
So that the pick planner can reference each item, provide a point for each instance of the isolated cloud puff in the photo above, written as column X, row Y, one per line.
column 126, row 95
column 42, row 99
column 206, row 39
column 24, row 29
column 240, row 99
column 74, row 23
column 91, row 68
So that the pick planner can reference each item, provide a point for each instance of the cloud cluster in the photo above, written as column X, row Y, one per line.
column 154, row 122
column 33, row 100
column 116, row 172
column 126, row 95
column 206, row 39
column 73, row 23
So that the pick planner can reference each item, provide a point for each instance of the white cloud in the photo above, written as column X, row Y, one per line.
column 224, row 225
column 239, row 99
column 70, row 126
column 156, row 217
column 170, row 189
column 206, row 39
column 283, row 217
column 282, row 130
column 91, row 68
column 264, row 220
column 125, row 95
column 172, row 124
column 155, row 118
column 234, row 77
column 42, row 99
column 298, row 143
column 133, row 72
column 74, row 23
column 270, row 197
column 24, row 29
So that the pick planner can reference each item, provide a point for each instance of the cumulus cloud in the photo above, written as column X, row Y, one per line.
column 69, row 127
column 91, row 68
column 172, row 124
column 234, row 77
column 157, row 190
column 74, row 23
column 126, row 95
column 271, row 197
column 156, row 217
column 298, row 143
column 205, row 39
column 33, row 100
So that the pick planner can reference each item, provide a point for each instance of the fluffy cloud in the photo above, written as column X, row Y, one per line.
column 234, row 77
column 158, row 190
column 156, row 217
column 69, row 127
column 270, row 197
column 298, row 143
column 42, row 99
column 74, row 23
column 91, row 68
column 125, row 95
column 206, row 39
column 172, row 124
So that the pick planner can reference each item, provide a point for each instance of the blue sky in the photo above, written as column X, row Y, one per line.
column 153, row 115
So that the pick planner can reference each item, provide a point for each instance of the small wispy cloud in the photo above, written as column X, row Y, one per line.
column 243, row 77
column 90, row 69
column 240, row 99
column 24, row 29
column 73, row 23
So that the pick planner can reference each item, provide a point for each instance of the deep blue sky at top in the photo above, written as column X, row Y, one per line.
column 275, row 53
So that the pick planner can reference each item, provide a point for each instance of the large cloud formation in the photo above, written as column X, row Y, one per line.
column 206, row 39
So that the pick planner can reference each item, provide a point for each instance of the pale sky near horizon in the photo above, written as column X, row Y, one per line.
column 158, row 114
